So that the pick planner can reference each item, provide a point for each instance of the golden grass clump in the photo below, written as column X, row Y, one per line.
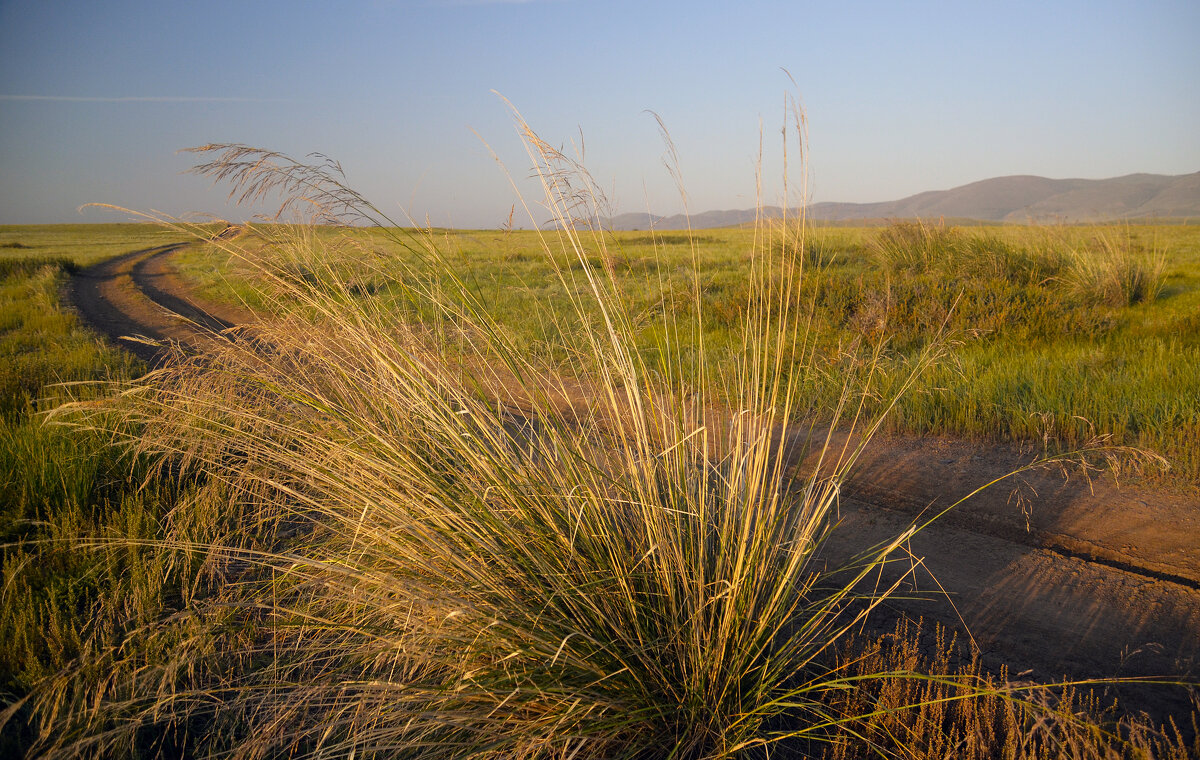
column 443, row 550
column 915, row 246
column 1114, row 271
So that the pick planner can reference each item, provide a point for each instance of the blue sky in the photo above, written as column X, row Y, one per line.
column 901, row 97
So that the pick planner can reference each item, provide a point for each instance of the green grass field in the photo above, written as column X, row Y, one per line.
column 61, row 487
column 1047, row 346
column 91, row 587
column 80, row 244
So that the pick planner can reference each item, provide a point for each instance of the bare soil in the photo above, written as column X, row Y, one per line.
column 139, row 298
column 1048, row 573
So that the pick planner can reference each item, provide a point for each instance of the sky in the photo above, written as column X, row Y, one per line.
column 96, row 99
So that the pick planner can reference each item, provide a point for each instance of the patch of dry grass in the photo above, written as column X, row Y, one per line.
column 928, row 717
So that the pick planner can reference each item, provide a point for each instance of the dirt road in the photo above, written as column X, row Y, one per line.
column 139, row 295
column 1052, row 576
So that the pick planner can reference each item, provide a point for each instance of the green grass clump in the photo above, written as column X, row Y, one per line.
column 916, row 247
column 923, row 248
column 1116, row 271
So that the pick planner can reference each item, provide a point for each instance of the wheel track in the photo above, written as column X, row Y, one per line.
column 139, row 296
column 1006, row 530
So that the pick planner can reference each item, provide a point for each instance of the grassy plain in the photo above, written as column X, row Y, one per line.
column 107, row 604
column 1049, row 348
column 61, row 488
column 78, row 245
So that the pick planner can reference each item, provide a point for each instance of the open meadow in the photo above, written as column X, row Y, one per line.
column 515, row 494
column 588, row 380
column 62, row 487
column 1056, row 335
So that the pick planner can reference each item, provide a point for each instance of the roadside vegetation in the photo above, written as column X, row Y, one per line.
column 61, row 488
column 388, row 523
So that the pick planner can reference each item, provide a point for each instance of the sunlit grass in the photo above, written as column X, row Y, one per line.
column 81, row 244
column 444, row 534
column 60, row 488
column 1033, row 339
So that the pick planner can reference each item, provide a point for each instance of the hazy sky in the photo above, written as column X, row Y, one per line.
column 901, row 97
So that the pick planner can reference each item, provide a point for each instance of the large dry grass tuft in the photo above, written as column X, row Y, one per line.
column 442, row 550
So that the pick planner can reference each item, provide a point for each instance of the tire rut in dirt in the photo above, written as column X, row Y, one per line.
column 147, row 282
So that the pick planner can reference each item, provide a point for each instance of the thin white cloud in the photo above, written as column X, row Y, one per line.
column 492, row 2
column 132, row 99
column 463, row 3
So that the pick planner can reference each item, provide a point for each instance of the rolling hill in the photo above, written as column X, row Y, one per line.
column 1020, row 198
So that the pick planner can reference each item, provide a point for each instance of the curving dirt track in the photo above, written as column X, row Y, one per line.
column 1053, row 576
column 139, row 295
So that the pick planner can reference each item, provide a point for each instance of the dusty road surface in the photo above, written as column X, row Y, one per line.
column 1055, row 577
column 139, row 295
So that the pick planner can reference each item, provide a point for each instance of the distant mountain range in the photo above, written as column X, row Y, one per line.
column 1021, row 198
